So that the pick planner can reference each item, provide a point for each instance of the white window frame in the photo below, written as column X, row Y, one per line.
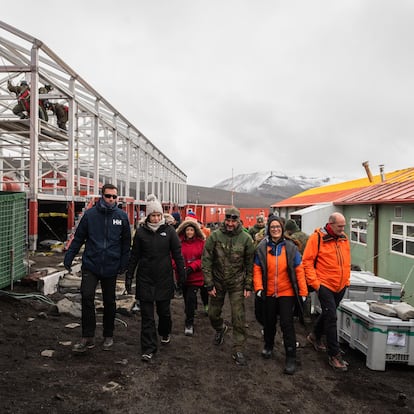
column 357, row 233
column 403, row 236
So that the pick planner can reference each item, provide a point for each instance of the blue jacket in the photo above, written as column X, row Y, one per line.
column 106, row 232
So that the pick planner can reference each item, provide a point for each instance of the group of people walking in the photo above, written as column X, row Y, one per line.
column 228, row 263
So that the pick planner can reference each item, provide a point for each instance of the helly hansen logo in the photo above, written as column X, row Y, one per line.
column 117, row 222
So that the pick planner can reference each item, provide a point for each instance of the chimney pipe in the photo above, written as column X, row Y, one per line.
column 365, row 164
column 381, row 168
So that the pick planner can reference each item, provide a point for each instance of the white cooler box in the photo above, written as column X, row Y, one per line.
column 381, row 338
column 366, row 286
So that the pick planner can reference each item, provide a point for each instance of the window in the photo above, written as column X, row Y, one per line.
column 402, row 238
column 359, row 231
column 398, row 212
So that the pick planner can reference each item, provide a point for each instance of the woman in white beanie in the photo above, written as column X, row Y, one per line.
column 155, row 242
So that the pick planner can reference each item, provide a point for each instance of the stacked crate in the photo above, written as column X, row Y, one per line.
column 381, row 338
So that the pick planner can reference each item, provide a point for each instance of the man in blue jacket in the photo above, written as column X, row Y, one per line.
column 106, row 232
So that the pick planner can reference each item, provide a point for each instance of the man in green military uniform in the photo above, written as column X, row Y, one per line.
column 227, row 265
column 258, row 227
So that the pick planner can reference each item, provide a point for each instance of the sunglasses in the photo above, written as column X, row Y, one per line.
column 114, row 196
column 231, row 217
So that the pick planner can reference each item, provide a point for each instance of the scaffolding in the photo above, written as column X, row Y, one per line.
column 98, row 146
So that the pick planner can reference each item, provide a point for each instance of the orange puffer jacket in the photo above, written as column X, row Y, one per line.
column 270, row 271
column 327, row 261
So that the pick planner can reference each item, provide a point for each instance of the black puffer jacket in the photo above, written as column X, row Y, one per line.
column 151, row 258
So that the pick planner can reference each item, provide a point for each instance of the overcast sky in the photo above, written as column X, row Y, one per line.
column 232, row 87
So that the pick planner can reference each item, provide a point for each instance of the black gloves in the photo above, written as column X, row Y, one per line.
column 128, row 283
column 260, row 294
column 188, row 271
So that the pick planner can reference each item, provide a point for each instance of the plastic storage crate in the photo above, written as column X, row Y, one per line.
column 381, row 338
column 366, row 286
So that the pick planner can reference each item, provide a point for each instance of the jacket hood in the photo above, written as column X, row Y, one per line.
column 190, row 222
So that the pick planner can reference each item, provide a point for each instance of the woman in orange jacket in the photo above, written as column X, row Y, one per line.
column 279, row 281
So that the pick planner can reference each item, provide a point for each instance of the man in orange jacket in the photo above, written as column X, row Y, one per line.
column 327, row 264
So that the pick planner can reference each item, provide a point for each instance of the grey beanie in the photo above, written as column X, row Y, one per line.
column 153, row 205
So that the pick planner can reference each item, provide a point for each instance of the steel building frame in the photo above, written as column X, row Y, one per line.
column 99, row 146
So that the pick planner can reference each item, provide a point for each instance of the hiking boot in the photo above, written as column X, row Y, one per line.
column 337, row 363
column 267, row 353
column 83, row 345
column 108, row 342
column 166, row 339
column 219, row 337
column 290, row 365
column 318, row 345
column 239, row 358
column 147, row 357
column 189, row 330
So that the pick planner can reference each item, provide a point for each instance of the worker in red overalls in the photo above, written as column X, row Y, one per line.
column 22, row 91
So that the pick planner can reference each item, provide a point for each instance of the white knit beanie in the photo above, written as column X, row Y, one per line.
column 153, row 205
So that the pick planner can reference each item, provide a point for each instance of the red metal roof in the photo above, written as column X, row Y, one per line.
column 385, row 193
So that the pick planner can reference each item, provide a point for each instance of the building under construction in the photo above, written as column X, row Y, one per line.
column 58, row 165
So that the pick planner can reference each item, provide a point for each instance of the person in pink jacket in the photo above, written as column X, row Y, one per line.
column 192, row 245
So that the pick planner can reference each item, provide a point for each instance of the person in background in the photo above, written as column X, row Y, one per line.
column 192, row 245
column 22, row 92
column 176, row 214
column 259, row 225
column 227, row 265
column 327, row 264
column 293, row 232
column 155, row 243
column 106, row 232
column 279, row 281
column 44, row 102
column 62, row 114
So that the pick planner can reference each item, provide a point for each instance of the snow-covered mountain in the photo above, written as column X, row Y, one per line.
column 266, row 181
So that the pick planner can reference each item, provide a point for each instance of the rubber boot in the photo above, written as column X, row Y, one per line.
column 290, row 364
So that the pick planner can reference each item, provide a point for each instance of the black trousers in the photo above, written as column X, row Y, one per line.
column 204, row 295
column 327, row 320
column 149, row 339
column 190, row 303
column 88, row 289
column 282, row 307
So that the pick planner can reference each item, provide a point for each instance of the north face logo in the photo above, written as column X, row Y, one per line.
column 116, row 222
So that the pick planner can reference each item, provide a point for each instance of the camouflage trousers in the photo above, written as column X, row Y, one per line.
column 238, row 315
